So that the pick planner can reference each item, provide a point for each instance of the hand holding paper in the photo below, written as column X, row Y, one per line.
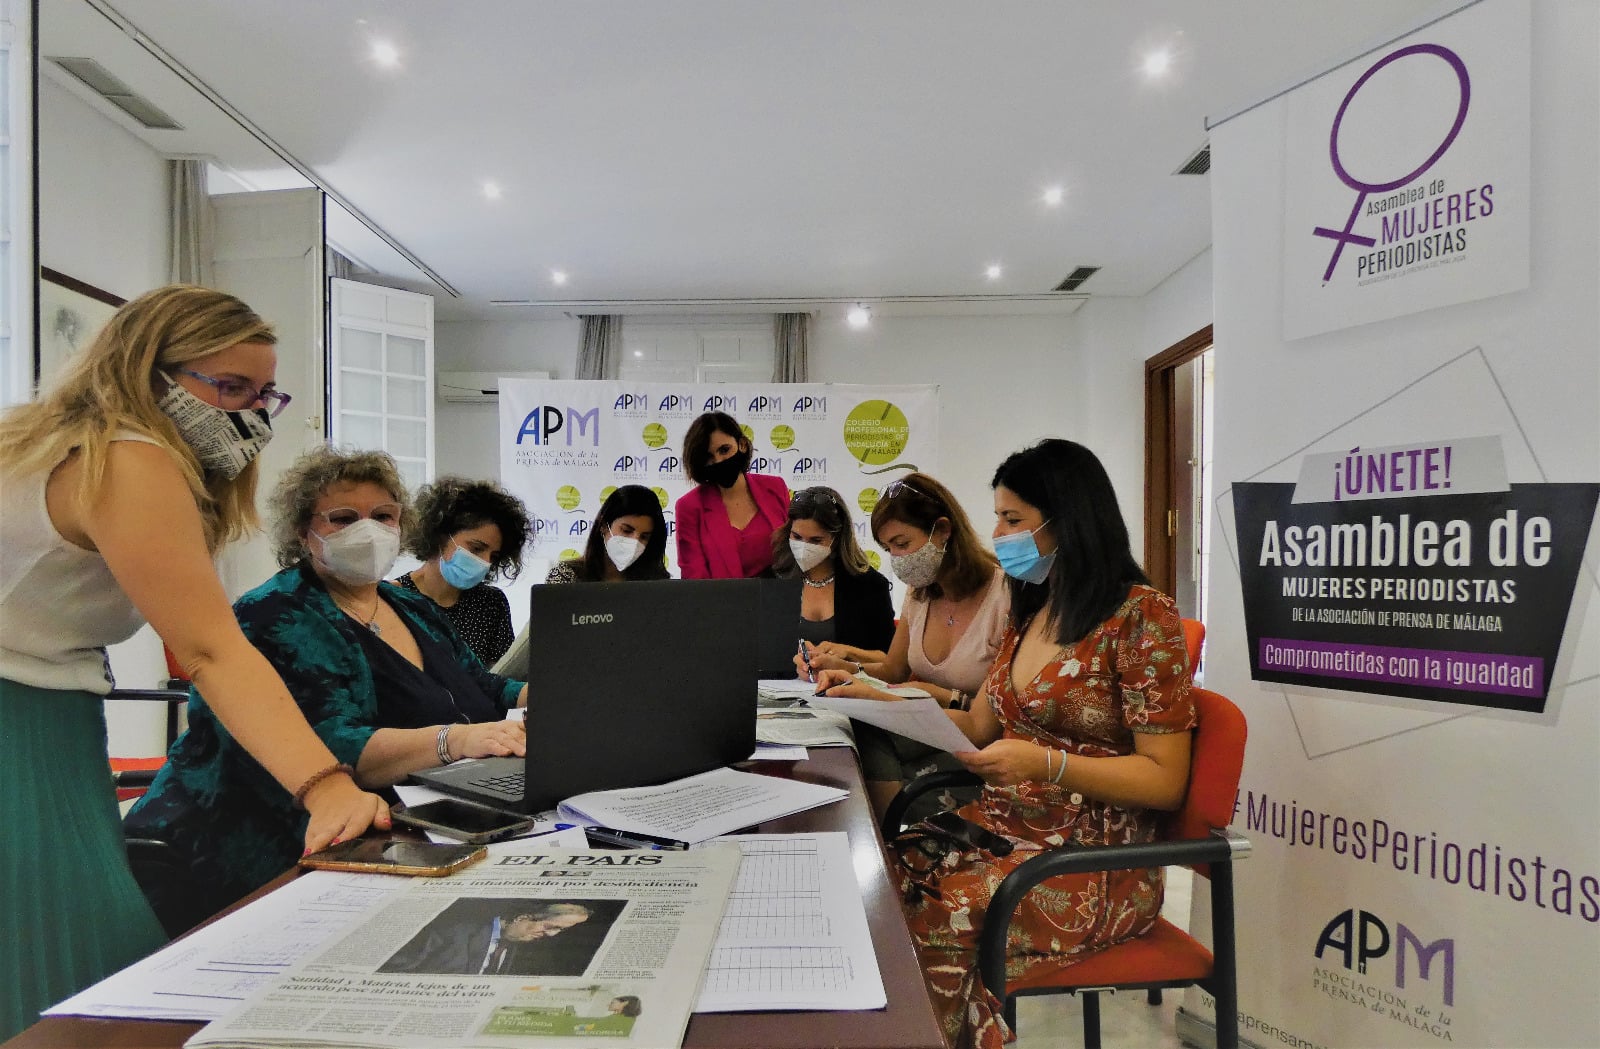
column 920, row 719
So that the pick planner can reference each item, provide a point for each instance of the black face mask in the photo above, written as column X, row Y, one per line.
column 726, row 473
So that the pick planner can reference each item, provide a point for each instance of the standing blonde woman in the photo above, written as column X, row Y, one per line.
column 117, row 488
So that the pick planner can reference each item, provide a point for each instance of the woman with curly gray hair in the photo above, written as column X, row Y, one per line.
column 376, row 670
column 467, row 533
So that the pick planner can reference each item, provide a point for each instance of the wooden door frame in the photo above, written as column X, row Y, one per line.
column 1160, row 556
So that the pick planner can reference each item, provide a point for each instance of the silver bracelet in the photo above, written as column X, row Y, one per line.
column 442, row 744
column 1060, row 771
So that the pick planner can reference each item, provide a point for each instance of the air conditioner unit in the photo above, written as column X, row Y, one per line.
column 477, row 387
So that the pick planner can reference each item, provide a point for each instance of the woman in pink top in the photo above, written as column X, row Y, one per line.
column 950, row 628
column 725, row 523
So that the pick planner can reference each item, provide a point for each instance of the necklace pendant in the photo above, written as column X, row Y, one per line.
column 950, row 620
column 372, row 625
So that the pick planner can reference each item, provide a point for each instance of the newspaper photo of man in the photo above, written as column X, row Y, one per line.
column 508, row 938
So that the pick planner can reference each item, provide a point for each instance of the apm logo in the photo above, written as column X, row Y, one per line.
column 631, row 402
column 579, row 527
column 721, row 402
column 669, row 464
column 1360, row 937
column 808, row 465
column 544, row 422
column 810, row 406
column 628, row 464
column 765, row 406
column 762, row 465
column 676, row 402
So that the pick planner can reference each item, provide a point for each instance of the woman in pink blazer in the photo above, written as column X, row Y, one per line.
column 725, row 523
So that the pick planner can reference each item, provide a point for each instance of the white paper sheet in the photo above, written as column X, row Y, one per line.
column 779, row 752
column 794, row 934
column 920, row 719
column 696, row 808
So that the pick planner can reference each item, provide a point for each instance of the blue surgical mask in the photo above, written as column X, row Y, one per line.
column 463, row 570
column 1020, row 558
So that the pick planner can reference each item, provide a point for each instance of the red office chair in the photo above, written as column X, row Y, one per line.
column 1194, row 638
column 1166, row 956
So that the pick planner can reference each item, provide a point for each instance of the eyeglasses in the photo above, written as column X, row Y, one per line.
column 387, row 514
column 236, row 394
column 894, row 488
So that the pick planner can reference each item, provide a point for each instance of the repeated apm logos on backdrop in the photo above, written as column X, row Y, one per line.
column 594, row 436
column 1412, row 571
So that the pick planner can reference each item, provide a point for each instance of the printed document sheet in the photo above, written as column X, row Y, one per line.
column 794, row 934
column 920, row 719
column 697, row 808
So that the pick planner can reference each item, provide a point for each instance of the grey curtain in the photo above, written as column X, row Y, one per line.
column 192, row 223
column 600, row 351
column 793, row 338
column 340, row 266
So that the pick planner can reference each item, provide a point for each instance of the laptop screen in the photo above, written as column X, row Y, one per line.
column 638, row 682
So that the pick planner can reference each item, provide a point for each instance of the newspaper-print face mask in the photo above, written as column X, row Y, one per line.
column 225, row 442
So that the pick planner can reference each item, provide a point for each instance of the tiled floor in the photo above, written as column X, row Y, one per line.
column 1127, row 1021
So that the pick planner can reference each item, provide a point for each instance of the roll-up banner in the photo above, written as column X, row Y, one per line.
column 1405, row 591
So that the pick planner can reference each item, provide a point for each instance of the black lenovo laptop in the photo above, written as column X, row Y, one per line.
column 777, row 627
column 629, row 684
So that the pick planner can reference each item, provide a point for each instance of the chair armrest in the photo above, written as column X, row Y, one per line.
column 150, row 695
column 1220, row 849
column 895, row 813
column 130, row 779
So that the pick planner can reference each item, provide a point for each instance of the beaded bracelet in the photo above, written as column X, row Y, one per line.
column 441, row 743
column 318, row 777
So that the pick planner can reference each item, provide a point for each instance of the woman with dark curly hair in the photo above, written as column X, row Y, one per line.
column 467, row 533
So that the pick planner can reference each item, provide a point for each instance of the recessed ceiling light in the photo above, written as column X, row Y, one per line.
column 1156, row 63
column 858, row 317
column 385, row 54
column 491, row 190
column 993, row 271
column 558, row 277
column 1054, row 195
column 638, row 353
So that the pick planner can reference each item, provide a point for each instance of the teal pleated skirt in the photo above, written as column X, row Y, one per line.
column 70, row 911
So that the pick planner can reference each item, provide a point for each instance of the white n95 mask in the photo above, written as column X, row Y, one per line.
column 361, row 553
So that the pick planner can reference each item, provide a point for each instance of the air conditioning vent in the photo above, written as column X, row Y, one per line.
column 1198, row 164
column 1076, row 278
column 99, row 79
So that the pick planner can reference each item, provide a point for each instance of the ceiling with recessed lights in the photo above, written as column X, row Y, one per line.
column 832, row 150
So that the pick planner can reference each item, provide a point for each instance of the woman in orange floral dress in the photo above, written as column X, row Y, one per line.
column 1083, row 729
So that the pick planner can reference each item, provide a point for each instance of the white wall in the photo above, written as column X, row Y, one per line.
column 102, row 198
column 468, row 434
column 1004, row 382
column 102, row 219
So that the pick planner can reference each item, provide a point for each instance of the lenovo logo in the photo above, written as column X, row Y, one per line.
column 586, row 620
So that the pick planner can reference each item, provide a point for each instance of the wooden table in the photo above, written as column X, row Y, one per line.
column 907, row 1023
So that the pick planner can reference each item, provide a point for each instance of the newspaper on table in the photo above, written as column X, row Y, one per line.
column 538, row 947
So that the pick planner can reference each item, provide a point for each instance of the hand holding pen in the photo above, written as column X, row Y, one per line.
column 802, row 662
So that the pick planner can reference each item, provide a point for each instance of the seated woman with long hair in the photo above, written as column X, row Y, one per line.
column 1081, row 736
column 845, row 599
column 628, row 541
column 950, row 628
column 376, row 669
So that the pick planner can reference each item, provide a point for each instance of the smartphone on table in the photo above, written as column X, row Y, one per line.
column 463, row 820
column 395, row 856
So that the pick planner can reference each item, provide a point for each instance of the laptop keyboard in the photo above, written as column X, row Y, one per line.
column 511, row 785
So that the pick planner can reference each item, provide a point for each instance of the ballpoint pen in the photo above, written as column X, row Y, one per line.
column 632, row 839
column 805, row 658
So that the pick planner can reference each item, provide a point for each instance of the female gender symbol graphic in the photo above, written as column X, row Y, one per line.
column 1344, row 236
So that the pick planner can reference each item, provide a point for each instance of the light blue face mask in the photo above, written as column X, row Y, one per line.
column 463, row 570
column 1020, row 558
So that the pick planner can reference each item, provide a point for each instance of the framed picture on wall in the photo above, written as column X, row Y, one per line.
column 71, row 313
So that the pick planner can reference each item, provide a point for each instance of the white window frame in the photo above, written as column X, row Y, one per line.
column 385, row 312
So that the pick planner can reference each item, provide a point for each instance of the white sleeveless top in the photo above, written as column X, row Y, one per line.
column 59, row 604
column 968, row 663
